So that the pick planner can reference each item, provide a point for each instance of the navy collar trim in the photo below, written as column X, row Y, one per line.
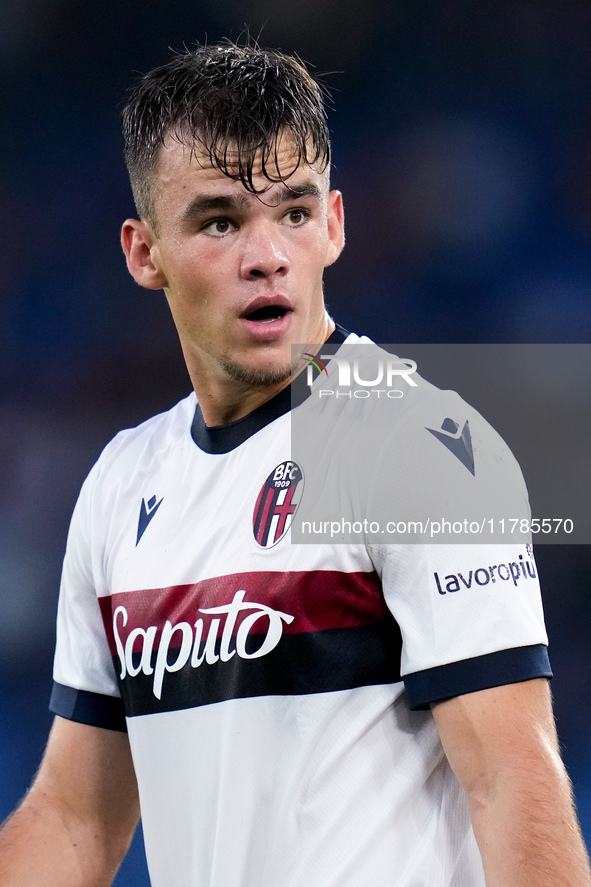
column 219, row 439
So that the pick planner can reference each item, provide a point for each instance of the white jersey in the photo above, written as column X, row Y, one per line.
column 276, row 695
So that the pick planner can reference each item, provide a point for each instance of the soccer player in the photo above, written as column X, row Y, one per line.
column 283, row 715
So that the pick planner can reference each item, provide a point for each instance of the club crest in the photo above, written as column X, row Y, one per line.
column 277, row 503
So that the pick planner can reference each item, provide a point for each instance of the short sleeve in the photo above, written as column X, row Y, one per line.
column 85, row 684
column 470, row 617
column 470, row 613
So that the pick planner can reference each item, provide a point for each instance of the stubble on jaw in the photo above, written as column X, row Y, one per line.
column 254, row 377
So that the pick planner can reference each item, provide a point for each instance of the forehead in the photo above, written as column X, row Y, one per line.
column 183, row 170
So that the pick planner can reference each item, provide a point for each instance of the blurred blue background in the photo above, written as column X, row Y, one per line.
column 462, row 143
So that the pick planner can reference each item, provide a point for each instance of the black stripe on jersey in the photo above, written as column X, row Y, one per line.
column 479, row 673
column 221, row 439
column 93, row 709
column 305, row 663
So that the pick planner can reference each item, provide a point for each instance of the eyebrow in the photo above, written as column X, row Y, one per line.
column 308, row 189
column 205, row 204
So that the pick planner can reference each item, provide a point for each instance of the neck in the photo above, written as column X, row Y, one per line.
column 236, row 404
column 223, row 399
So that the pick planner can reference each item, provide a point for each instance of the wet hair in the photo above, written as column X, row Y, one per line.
column 232, row 102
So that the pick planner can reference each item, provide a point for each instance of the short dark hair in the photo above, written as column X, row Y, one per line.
column 224, row 97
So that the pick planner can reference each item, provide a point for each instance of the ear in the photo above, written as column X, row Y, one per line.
column 336, row 226
column 141, row 253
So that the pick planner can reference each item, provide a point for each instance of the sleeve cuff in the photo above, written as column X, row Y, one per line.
column 93, row 709
column 478, row 673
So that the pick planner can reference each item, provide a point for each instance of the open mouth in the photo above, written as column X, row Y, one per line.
column 266, row 314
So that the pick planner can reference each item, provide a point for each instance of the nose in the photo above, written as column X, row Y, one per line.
column 264, row 254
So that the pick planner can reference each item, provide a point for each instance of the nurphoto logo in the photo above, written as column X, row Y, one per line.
column 362, row 378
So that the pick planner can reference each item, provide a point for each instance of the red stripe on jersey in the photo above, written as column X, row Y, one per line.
column 263, row 527
column 317, row 600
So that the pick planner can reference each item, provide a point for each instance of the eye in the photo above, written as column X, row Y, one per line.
column 218, row 227
column 297, row 217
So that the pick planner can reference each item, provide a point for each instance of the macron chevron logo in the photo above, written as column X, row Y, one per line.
column 457, row 442
column 147, row 512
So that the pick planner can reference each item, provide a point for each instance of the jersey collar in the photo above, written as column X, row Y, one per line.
column 218, row 439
